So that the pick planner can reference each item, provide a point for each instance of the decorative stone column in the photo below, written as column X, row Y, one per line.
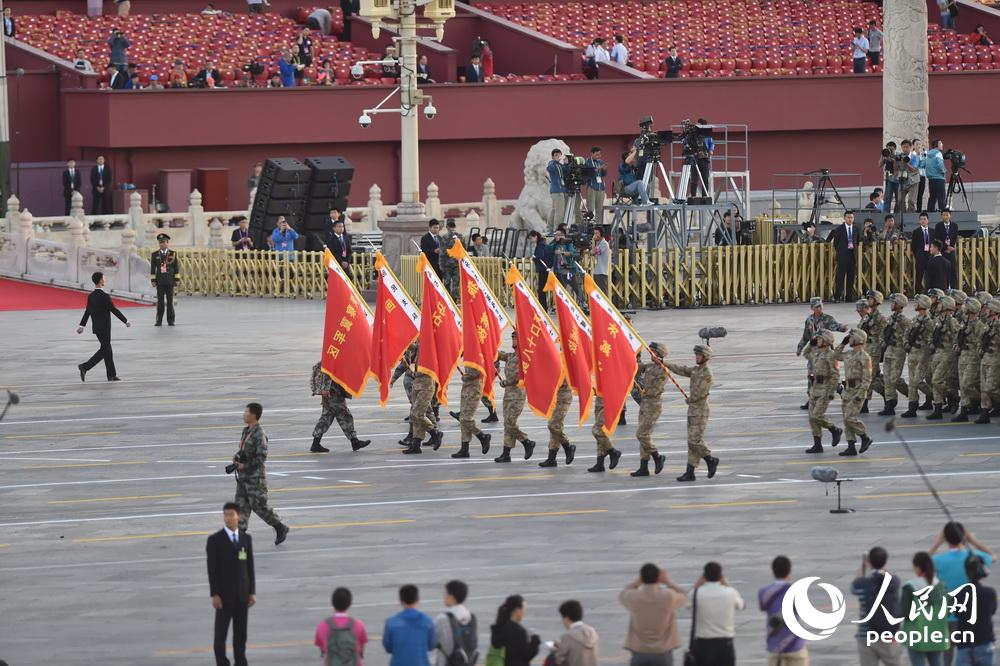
column 491, row 209
column 135, row 212
column 13, row 211
column 24, row 232
column 199, row 230
column 904, row 74
column 433, row 205
column 215, row 234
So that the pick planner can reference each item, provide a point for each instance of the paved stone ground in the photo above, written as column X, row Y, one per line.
column 109, row 490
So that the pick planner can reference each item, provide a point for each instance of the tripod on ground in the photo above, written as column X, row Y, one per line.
column 825, row 181
column 957, row 185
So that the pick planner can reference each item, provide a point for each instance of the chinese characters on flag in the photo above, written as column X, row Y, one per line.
column 540, row 363
column 577, row 344
column 440, row 331
column 347, row 334
column 397, row 323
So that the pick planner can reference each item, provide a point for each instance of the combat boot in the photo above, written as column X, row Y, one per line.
column 963, row 416
column 529, row 448
column 413, row 448
column 492, row 416
column 851, row 451
column 503, row 457
column 864, row 407
column 317, row 447
column 551, row 460
column 952, row 404
column 975, row 408
column 455, row 415
column 614, row 455
column 570, row 451
column 984, row 417
column 936, row 414
column 435, row 441
column 280, row 534
column 599, row 465
column 437, row 412
column 658, row 460
column 911, row 410
column 804, row 405
column 836, row 433
column 463, row 452
column 995, row 411
column 713, row 465
column 358, row 444
column 817, row 446
column 621, row 417
column 866, row 443
column 889, row 409
column 643, row 469
column 688, row 474
column 927, row 404
column 484, row 441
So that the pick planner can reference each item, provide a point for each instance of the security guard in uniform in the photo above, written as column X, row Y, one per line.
column 697, row 414
column 968, row 341
column 989, row 376
column 894, row 337
column 857, row 376
column 945, row 356
column 826, row 377
column 472, row 390
column 334, row 408
column 654, row 379
column 513, row 404
column 875, row 324
column 164, row 272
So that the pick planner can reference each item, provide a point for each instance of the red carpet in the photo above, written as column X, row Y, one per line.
column 16, row 295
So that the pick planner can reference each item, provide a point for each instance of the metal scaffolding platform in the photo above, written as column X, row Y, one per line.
column 678, row 225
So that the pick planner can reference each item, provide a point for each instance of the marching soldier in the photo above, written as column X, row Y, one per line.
column 857, row 376
column 513, row 405
column 164, row 272
column 874, row 327
column 945, row 356
column 960, row 298
column 449, row 265
column 654, row 379
column 564, row 398
column 334, row 408
column 967, row 341
column 989, row 376
column 407, row 369
column 893, row 352
column 472, row 390
column 697, row 416
column 605, row 449
column 918, row 355
column 826, row 377
column 422, row 420
column 251, row 478
column 814, row 323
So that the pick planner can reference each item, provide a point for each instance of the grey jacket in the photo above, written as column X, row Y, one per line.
column 578, row 646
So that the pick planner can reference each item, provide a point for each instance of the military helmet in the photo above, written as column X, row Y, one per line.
column 972, row 305
column 983, row 297
column 858, row 336
column 947, row 303
column 994, row 305
column 815, row 302
column 923, row 301
column 658, row 348
column 898, row 299
column 875, row 295
column 861, row 304
column 827, row 335
column 704, row 350
column 959, row 295
column 935, row 293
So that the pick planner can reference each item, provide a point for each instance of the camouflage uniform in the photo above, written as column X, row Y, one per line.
column 893, row 352
column 449, row 265
column 697, row 414
column 825, row 381
column 874, row 326
column 918, row 356
column 813, row 326
column 251, row 482
column 406, row 368
column 604, row 444
column 989, row 376
column 857, row 376
column 421, row 417
column 967, row 342
column 945, row 356
column 564, row 398
column 472, row 389
column 654, row 379
column 334, row 405
column 513, row 400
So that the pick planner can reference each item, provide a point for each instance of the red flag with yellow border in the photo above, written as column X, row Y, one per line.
column 347, row 333
column 577, row 345
column 483, row 319
column 540, row 363
column 397, row 324
column 615, row 345
column 440, row 330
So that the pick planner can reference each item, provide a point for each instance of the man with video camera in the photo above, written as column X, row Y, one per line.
column 698, row 148
column 251, row 479
column 628, row 173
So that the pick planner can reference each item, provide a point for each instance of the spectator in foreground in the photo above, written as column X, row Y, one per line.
column 474, row 70
column 950, row 565
column 981, row 652
column 619, row 53
column 874, row 37
column 783, row 646
column 456, row 627
column 10, row 27
column 507, row 634
column 409, row 634
column 341, row 635
column 714, row 620
column 921, row 652
column 652, row 601
column 860, row 45
column 867, row 587
column 578, row 646
column 674, row 64
column 81, row 63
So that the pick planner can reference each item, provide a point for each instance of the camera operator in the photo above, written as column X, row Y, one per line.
column 564, row 264
column 556, row 170
column 595, row 186
column 699, row 149
column 744, row 230
column 907, row 176
column 251, row 479
column 888, row 164
column 809, row 233
column 628, row 173
column 602, row 259
column 917, row 157
column 889, row 230
column 869, row 234
column 935, row 171
column 118, row 43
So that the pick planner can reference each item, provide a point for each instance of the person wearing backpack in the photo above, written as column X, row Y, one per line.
column 456, row 629
column 509, row 638
column 867, row 587
column 341, row 639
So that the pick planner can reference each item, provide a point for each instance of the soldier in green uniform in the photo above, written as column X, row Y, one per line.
column 472, row 390
column 989, row 374
column 605, row 448
column 967, row 341
column 814, row 323
column 251, row 478
column 697, row 416
column 334, row 408
column 918, row 354
column 893, row 351
column 164, row 272
column 857, row 376
column 407, row 369
column 449, row 265
column 557, row 438
column 421, row 418
column 826, row 377
column 875, row 324
column 654, row 379
column 945, row 355
column 513, row 404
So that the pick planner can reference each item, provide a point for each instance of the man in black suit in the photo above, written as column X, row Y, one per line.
column 117, row 79
column 920, row 249
column 946, row 231
column 99, row 311
column 339, row 243
column 349, row 9
column 232, row 584
column 845, row 241
column 71, row 182
column 208, row 71
column 9, row 26
column 938, row 268
column 474, row 70
column 423, row 70
column 100, row 184
column 430, row 245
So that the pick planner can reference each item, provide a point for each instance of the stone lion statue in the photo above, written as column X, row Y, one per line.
column 534, row 205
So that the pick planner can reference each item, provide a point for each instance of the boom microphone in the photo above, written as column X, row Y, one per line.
column 12, row 399
column 709, row 332
column 824, row 474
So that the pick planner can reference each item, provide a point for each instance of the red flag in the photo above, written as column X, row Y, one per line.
column 397, row 323
column 484, row 320
column 347, row 334
column 541, row 365
column 577, row 345
column 615, row 345
column 440, row 331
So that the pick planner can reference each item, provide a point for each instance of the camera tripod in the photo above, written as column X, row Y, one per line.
column 648, row 176
column 825, row 181
column 691, row 166
column 574, row 203
column 957, row 185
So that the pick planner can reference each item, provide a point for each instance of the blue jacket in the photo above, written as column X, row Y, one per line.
column 602, row 172
column 543, row 252
column 556, row 185
column 409, row 637
column 934, row 164
column 287, row 71
column 626, row 173
column 285, row 242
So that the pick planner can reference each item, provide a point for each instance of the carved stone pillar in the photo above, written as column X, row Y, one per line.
column 904, row 77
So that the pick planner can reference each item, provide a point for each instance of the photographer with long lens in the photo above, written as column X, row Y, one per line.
column 888, row 162
column 251, row 479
